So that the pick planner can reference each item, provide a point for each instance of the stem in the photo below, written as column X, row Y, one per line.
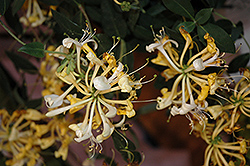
column 85, row 14
column 14, row 36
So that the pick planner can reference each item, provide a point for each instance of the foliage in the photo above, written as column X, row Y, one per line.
column 130, row 22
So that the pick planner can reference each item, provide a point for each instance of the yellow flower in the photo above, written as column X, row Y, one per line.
column 17, row 137
column 34, row 16
column 193, row 85
column 93, row 83
column 217, row 149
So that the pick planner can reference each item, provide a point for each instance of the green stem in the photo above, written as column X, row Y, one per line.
column 14, row 36
column 85, row 14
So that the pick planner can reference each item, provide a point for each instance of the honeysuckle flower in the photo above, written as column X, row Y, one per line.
column 34, row 16
column 195, row 87
column 52, row 84
column 217, row 149
column 92, row 83
column 17, row 138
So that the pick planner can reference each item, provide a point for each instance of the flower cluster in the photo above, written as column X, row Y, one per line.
column 92, row 85
column 195, row 87
column 191, row 89
column 34, row 16
column 25, row 133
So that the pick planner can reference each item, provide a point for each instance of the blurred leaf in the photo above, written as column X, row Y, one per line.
column 237, row 31
column 7, row 99
column 225, row 24
column 156, row 9
column 148, row 108
column 35, row 103
column 104, row 43
column 238, row 62
column 133, row 18
column 222, row 39
column 35, row 49
column 121, row 142
column 22, row 63
column 181, row 7
column 73, row 30
column 112, row 22
column 4, row 5
column 13, row 22
column 79, row 19
column 142, row 33
column 216, row 3
column 203, row 15
column 17, row 4
column 126, row 148
column 51, row 2
column 94, row 13
column 188, row 26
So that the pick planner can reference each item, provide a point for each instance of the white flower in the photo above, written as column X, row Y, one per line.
column 101, row 83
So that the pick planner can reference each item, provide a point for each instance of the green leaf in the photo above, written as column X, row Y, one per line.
column 4, row 5
column 180, row 7
column 112, row 22
column 7, row 99
column 22, row 63
column 188, row 26
column 13, row 22
column 142, row 33
column 71, row 28
column 222, row 39
column 17, row 4
column 121, row 142
column 133, row 18
column 104, row 43
column 156, row 9
column 35, row 49
column 35, row 103
column 238, row 62
column 203, row 15
column 237, row 31
column 94, row 13
column 225, row 24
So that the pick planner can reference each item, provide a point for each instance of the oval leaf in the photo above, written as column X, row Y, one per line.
column 238, row 62
column 112, row 21
column 222, row 39
column 35, row 49
column 203, row 15
column 181, row 7
column 67, row 25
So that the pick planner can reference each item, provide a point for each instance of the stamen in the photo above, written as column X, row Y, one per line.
column 152, row 79
column 128, row 52
column 140, row 67
column 144, row 101
column 114, row 44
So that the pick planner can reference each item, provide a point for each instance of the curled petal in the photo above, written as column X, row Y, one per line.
column 92, row 58
column 51, row 102
column 124, row 84
column 101, row 83
column 198, row 64
column 112, row 110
